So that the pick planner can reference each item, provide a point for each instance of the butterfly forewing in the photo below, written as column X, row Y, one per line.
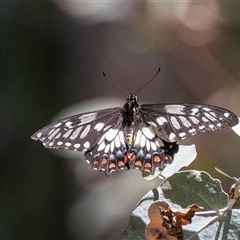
column 80, row 132
column 178, row 121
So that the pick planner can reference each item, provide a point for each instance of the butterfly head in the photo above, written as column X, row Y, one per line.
column 132, row 99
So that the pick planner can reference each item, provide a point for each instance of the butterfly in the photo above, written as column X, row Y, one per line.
column 134, row 136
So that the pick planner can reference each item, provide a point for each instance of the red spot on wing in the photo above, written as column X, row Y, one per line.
column 157, row 159
column 112, row 166
column 104, row 161
column 147, row 165
column 121, row 164
column 130, row 157
column 138, row 164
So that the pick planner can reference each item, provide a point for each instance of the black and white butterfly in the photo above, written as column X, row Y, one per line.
column 133, row 136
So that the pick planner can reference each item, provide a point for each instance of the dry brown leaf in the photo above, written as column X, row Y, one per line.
column 155, row 230
column 184, row 216
column 166, row 223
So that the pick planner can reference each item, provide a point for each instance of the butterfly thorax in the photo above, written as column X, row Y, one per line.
column 130, row 111
column 130, row 118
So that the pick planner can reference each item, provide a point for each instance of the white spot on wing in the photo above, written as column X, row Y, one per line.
column 103, row 137
column 87, row 118
column 99, row 126
column 68, row 124
column 53, row 134
column 172, row 136
column 205, row 119
column 58, row 135
column 39, row 135
column 147, row 131
column 57, row 125
column 152, row 123
column 184, row 121
column 194, row 111
column 107, row 127
column 77, row 145
column 213, row 114
column 68, row 144
column 111, row 134
column 193, row 130
column 75, row 133
column 101, row 146
column 153, row 146
column 161, row 120
column 112, row 146
column 86, row 145
column 182, row 134
column 66, row 134
column 121, row 137
column 148, row 145
column 175, row 123
column 138, row 137
column 194, row 119
column 106, row 150
column 142, row 141
column 226, row 114
column 59, row 143
column 117, row 142
column 206, row 109
column 209, row 116
column 85, row 131
column 175, row 109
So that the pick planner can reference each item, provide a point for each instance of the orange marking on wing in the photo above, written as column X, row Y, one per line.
column 111, row 166
column 130, row 157
column 147, row 165
column 138, row 164
column 95, row 162
column 121, row 164
column 165, row 158
column 104, row 161
column 157, row 159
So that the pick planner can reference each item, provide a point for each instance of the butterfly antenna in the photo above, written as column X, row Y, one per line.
column 147, row 82
column 114, row 83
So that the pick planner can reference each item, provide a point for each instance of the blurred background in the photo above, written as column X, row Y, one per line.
column 52, row 55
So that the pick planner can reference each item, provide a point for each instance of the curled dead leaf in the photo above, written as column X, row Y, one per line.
column 155, row 229
column 184, row 216
column 166, row 223
column 234, row 194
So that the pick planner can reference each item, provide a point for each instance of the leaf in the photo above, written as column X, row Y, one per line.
column 156, row 229
column 236, row 128
column 184, row 157
column 197, row 187
column 183, row 189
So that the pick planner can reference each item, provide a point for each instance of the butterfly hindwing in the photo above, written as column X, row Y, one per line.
column 143, row 150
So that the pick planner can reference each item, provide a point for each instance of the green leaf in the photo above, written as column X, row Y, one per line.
column 185, row 188
column 184, row 157
column 181, row 190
